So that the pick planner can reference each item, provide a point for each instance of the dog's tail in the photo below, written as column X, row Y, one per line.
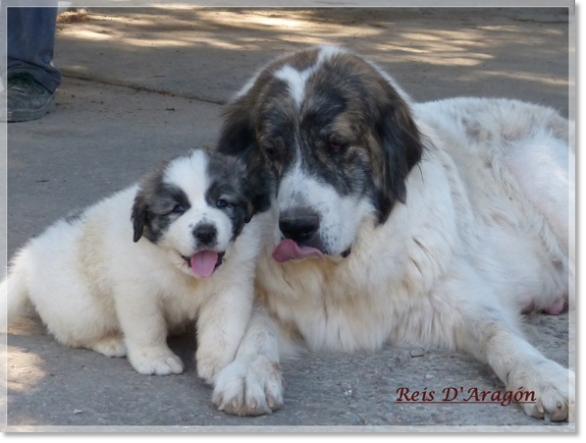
column 14, row 292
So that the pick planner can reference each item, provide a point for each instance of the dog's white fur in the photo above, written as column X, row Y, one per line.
column 340, row 215
column 487, row 229
column 95, row 288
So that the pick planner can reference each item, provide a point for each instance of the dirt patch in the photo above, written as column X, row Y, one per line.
column 75, row 16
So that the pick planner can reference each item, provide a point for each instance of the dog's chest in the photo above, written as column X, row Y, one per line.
column 337, row 308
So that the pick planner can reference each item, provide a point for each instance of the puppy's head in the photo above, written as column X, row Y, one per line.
column 330, row 138
column 194, row 207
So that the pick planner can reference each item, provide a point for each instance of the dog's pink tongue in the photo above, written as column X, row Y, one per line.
column 203, row 263
column 288, row 249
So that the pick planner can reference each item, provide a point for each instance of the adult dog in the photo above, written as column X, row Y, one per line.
column 101, row 281
column 433, row 223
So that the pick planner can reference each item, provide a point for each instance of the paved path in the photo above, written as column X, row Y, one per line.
column 145, row 85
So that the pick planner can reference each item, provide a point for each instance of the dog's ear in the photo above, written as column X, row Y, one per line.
column 139, row 216
column 400, row 141
column 247, row 191
column 237, row 135
column 238, row 139
column 249, row 211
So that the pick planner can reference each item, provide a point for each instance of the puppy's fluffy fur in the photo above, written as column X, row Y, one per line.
column 432, row 223
column 102, row 281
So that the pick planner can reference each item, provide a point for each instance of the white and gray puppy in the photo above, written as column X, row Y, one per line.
column 121, row 274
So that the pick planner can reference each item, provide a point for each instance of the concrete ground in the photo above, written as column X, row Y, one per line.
column 144, row 85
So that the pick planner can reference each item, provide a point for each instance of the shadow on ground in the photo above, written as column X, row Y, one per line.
column 53, row 385
column 512, row 52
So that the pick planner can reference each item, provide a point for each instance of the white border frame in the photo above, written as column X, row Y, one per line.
column 274, row 4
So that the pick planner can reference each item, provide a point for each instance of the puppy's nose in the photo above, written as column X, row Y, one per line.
column 205, row 233
column 299, row 224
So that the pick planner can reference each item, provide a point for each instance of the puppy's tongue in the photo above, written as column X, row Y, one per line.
column 288, row 249
column 203, row 263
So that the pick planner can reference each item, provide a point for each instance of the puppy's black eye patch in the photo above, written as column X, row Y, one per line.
column 170, row 208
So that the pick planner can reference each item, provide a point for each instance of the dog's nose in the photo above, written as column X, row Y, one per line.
column 299, row 224
column 205, row 233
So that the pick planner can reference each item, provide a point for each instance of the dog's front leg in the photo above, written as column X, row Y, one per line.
column 221, row 323
column 145, row 331
column 252, row 384
column 491, row 333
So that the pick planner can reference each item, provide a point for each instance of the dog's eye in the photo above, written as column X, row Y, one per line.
column 270, row 150
column 271, row 153
column 222, row 204
column 336, row 145
column 178, row 209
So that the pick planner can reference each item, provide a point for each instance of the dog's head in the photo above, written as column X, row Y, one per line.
column 194, row 207
column 331, row 137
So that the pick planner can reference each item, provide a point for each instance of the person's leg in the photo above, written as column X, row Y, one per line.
column 32, row 78
column 31, row 40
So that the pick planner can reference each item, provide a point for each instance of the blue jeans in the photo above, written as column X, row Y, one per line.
column 31, row 40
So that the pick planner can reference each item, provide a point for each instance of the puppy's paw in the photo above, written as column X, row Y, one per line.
column 255, row 388
column 111, row 347
column 553, row 387
column 156, row 361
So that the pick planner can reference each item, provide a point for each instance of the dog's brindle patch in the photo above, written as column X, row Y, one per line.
column 353, row 131
column 241, row 133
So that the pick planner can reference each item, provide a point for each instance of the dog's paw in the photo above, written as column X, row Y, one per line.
column 111, row 347
column 255, row 388
column 553, row 387
column 156, row 361
column 209, row 366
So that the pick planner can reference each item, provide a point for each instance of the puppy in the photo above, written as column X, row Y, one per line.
column 118, row 276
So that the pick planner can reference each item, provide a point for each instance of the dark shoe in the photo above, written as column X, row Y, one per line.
column 27, row 99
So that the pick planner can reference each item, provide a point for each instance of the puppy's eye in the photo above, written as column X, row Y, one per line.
column 223, row 204
column 178, row 209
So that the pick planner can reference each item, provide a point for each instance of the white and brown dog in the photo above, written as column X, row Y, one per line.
column 434, row 223
column 118, row 276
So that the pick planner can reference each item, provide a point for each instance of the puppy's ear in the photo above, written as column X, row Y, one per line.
column 149, row 187
column 401, row 145
column 139, row 216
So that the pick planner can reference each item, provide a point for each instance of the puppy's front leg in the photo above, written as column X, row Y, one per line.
column 145, row 332
column 221, row 323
